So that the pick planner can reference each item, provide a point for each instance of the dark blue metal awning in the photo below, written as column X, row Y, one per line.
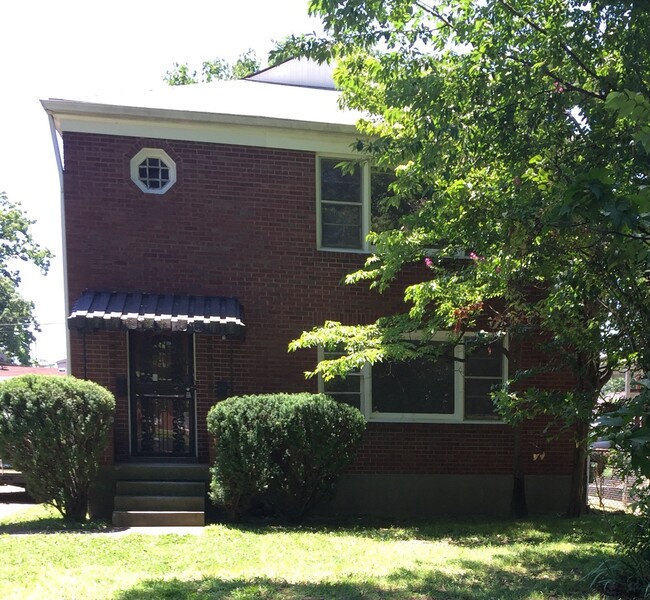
column 158, row 312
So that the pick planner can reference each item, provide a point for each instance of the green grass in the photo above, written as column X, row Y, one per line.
column 536, row 559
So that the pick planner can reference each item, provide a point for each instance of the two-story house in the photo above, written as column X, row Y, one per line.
column 205, row 227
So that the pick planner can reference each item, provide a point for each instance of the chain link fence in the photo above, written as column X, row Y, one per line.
column 607, row 487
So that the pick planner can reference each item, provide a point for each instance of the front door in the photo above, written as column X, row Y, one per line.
column 162, row 394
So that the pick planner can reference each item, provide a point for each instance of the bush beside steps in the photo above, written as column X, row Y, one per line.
column 281, row 452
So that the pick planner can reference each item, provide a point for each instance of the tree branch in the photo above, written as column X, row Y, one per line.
column 434, row 13
column 543, row 31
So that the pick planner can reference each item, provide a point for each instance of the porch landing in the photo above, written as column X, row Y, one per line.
column 160, row 494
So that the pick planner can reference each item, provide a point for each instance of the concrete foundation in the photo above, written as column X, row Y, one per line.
column 422, row 496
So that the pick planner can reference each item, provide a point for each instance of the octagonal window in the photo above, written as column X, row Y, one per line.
column 153, row 171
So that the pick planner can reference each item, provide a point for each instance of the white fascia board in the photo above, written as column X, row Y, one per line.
column 201, row 127
column 240, row 135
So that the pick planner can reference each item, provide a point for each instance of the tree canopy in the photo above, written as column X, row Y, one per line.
column 518, row 131
column 214, row 70
column 519, row 134
column 16, row 314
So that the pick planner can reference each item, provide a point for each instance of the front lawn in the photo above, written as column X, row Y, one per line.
column 536, row 559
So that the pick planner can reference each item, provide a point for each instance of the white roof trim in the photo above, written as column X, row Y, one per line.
column 329, row 139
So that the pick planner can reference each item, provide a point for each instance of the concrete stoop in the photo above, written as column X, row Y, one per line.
column 158, row 518
column 160, row 495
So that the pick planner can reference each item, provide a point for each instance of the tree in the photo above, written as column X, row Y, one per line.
column 214, row 70
column 16, row 314
column 16, row 323
column 518, row 132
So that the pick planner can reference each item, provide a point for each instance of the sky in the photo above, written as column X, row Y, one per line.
column 57, row 49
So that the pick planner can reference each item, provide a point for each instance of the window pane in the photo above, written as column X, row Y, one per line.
column 341, row 236
column 383, row 217
column 422, row 386
column 351, row 399
column 478, row 404
column 341, row 214
column 341, row 226
column 349, row 384
column 480, row 387
column 343, row 389
column 484, row 361
column 337, row 186
column 483, row 372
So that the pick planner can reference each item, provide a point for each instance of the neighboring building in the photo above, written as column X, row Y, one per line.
column 10, row 371
column 206, row 227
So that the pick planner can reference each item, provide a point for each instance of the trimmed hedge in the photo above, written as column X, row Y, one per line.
column 54, row 430
column 286, row 451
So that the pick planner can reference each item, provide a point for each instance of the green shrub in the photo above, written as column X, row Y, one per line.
column 54, row 430
column 287, row 450
column 627, row 573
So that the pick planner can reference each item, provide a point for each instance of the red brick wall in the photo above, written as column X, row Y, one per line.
column 101, row 356
column 240, row 221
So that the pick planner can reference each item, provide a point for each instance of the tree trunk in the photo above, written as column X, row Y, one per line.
column 518, row 507
column 578, row 491
column 76, row 508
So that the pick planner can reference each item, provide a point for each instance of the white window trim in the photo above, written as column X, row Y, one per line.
column 459, row 391
column 365, row 203
column 159, row 153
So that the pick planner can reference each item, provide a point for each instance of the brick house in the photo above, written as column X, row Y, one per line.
column 205, row 227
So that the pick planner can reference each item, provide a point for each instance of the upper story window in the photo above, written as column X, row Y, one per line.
column 350, row 203
column 453, row 387
column 153, row 171
column 342, row 205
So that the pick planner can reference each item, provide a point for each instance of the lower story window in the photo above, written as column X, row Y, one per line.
column 454, row 386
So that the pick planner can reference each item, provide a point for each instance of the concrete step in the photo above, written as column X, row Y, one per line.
column 161, row 471
column 160, row 503
column 150, row 518
column 160, row 488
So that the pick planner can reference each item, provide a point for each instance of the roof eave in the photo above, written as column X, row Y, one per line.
column 71, row 108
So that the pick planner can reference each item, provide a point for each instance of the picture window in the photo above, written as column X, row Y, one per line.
column 452, row 385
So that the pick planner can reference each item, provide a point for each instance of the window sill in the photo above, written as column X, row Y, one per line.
column 345, row 250
column 433, row 419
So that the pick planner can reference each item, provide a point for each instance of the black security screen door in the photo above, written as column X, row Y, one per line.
column 162, row 394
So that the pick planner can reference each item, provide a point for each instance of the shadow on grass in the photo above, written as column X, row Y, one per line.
column 35, row 518
column 498, row 571
column 50, row 525
column 239, row 589
column 460, row 580
column 458, row 532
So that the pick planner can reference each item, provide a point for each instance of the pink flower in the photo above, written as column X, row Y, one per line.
column 428, row 262
column 475, row 257
column 559, row 88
